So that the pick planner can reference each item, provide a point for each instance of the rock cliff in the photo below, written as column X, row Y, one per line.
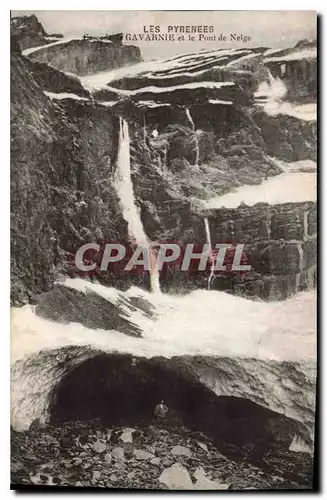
column 29, row 32
column 84, row 57
column 198, row 154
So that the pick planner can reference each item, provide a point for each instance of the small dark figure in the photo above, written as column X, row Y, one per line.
column 160, row 411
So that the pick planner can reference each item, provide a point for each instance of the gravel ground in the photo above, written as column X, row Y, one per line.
column 152, row 457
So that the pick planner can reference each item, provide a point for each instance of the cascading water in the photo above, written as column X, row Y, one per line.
column 273, row 90
column 305, row 225
column 211, row 259
column 144, row 130
column 301, row 267
column 311, row 273
column 278, row 89
column 131, row 213
column 197, row 150
column 272, row 94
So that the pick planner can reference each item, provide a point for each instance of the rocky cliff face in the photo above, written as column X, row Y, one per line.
column 61, row 192
column 29, row 32
column 198, row 153
column 280, row 244
column 84, row 57
column 211, row 137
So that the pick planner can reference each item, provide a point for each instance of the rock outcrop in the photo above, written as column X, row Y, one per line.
column 29, row 32
column 84, row 57
column 53, row 80
column 280, row 245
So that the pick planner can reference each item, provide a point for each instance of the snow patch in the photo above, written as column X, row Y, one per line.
column 307, row 112
column 207, row 323
column 31, row 50
column 152, row 104
column 64, row 95
column 291, row 186
column 294, row 56
column 192, row 85
column 219, row 101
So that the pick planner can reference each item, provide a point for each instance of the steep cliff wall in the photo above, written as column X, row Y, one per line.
column 61, row 191
column 211, row 137
column 29, row 32
column 73, row 142
column 280, row 243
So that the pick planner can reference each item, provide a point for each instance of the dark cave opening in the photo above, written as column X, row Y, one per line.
column 123, row 390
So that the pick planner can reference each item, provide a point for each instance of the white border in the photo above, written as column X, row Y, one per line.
column 319, row 6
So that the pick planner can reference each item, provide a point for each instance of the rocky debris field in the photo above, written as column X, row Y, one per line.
column 153, row 457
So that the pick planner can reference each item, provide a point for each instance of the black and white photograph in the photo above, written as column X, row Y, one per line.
column 163, row 228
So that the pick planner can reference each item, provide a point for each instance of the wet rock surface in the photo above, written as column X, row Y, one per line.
column 85, row 454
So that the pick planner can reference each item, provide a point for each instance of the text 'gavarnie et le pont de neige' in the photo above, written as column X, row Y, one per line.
column 183, row 33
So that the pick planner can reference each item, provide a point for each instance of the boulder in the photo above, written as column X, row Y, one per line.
column 155, row 461
column 176, row 477
column 204, row 483
column 118, row 454
column 127, row 436
column 143, row 455
column 99, row 446
column 178, row 451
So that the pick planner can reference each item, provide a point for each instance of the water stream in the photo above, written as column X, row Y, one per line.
column 131, row 212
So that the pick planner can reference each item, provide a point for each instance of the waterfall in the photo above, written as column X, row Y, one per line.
column 197, row 150
column 277, row 88
column 301, row 267
column 211, row 259
column 144, row 130
column 268, row 229
column 268, row 226
column 165, row 156
column 190, row 119
column 305, row 225
column 271, row 93
column 131, row 212
column 311, row 278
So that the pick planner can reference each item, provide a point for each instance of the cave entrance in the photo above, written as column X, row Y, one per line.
column 123, row 390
